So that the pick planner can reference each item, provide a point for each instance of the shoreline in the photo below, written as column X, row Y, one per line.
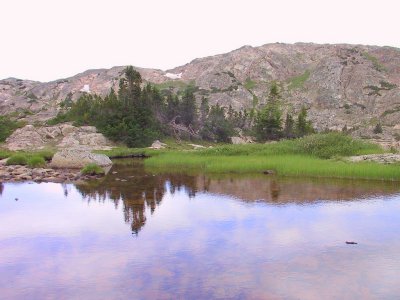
column 19, row 173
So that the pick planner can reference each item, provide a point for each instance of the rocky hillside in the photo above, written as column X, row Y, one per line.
column 341, row 85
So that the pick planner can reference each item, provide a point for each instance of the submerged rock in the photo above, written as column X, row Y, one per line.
column 78, row 158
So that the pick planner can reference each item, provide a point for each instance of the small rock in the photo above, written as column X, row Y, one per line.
column 269, row 172
column 157, row 145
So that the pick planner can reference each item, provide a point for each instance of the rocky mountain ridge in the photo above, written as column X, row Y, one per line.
column 352, row 86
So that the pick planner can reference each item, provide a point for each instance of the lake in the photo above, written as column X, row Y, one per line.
column 136, row 234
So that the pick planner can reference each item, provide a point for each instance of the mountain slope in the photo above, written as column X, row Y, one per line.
column 350, row 85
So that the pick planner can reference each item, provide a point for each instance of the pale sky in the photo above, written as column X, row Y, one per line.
column 50, row 39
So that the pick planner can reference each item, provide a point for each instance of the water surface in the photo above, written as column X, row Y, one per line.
column 139, row 235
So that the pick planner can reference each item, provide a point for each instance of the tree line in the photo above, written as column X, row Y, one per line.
column 138, row 114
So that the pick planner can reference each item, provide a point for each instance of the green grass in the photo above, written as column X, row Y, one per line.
column 46, row 154
column 5, row 153
column 249, row 84
column 318, row 145
column 375, row 62
column 287, row 165
column 316, row 155
column 36, row 161
column 172, row 144
column 172, row 84
column 92, row 169
column 17, row 159
column 7, row 126
column 297, row 82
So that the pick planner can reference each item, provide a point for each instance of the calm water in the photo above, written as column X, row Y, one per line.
column 197, row 237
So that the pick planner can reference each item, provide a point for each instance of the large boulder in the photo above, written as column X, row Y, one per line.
column 58, row 136
column 78, row 158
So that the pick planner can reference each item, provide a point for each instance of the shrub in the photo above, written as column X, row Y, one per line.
column 46, row 154
column 17, row 159
column 378, row 128
column 36, row 161
column 92, row 169
column 5, row 153
column 7, row 126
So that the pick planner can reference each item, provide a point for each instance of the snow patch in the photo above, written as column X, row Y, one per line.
column 174, row 76
column 85, row 89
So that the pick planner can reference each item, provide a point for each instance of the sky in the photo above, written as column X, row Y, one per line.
column 50, row 39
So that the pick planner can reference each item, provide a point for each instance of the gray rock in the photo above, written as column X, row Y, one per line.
column 78, row 158
column 157, row 145
column 61, row 136
column 387, row 158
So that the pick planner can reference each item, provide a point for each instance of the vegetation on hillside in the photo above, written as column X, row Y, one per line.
column 139, row 114
column 7, row 126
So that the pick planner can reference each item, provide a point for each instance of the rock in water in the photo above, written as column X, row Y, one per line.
column 78, row 158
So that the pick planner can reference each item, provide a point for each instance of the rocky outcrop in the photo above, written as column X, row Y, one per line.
column 387, row 158
column 59, row 136
column 77, row 158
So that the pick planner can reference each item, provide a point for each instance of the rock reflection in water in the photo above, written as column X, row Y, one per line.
column 129, row 184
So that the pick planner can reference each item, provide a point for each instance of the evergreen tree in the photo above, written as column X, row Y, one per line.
column 204, row 109
column 303, row 126
column 288, row 130
column 188, row 107
column 268, row 121
column 172, row 107
column 217, row 128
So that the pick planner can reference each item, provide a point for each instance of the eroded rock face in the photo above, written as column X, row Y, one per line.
column 59, row 136
column 78, row 158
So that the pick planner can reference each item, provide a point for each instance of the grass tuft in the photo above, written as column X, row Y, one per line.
column 17, row 159
column 36, row 161
column 92, row 169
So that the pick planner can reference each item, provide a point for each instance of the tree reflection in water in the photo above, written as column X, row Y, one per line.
column 129, row 185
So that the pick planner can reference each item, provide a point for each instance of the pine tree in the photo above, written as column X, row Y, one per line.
column 288, row 130
column 188, row 107
column 303, row 126
column 268, row 121
column 204, row 109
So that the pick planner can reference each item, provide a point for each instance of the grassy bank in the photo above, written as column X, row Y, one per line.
column 290, row 165
column 317, row 156
column 45, row 154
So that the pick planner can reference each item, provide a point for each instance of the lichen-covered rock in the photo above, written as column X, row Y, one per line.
column 78, row 158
